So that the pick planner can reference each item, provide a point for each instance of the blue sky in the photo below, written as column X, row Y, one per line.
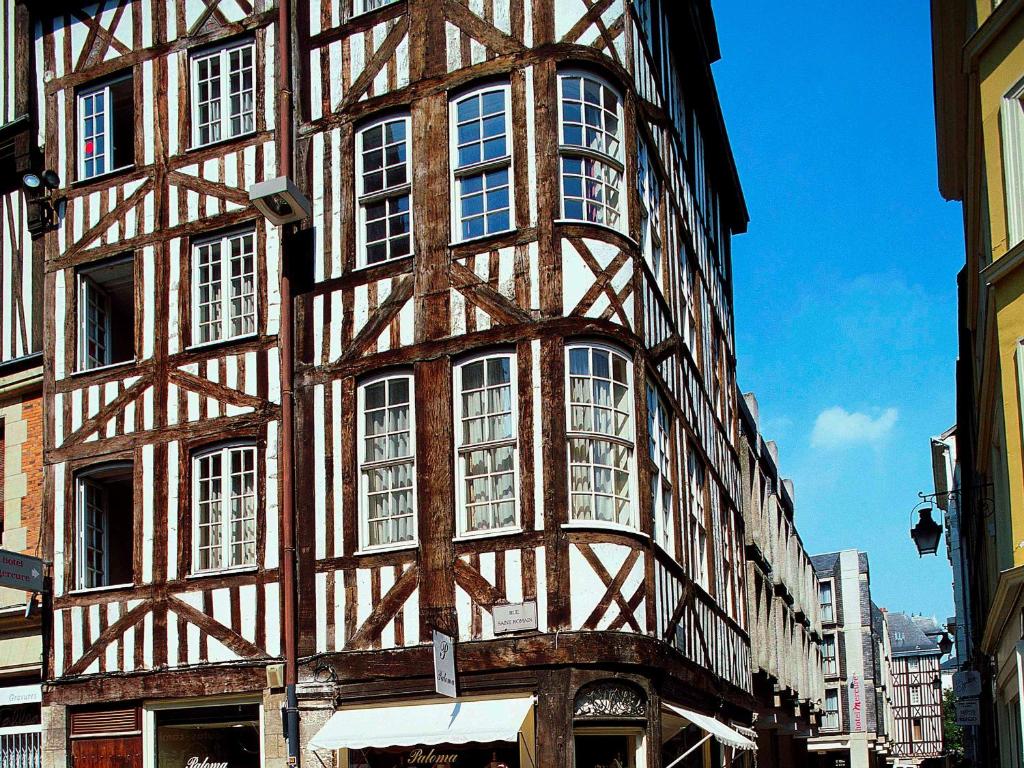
column 845, row 283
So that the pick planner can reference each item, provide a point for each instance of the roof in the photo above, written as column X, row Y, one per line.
column 825, row 563
column 908, row 639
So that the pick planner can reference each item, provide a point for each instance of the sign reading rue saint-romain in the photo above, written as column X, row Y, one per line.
column 19, row 571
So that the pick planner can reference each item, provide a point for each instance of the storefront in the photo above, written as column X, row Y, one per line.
column 20, row 728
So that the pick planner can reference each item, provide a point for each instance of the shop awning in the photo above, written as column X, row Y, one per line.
column 449, row 722
column 725, row 734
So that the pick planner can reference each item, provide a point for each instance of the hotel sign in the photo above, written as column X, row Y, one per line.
column 856, row 705
column 19, row 571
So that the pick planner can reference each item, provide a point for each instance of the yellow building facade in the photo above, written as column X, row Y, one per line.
column 978, row 50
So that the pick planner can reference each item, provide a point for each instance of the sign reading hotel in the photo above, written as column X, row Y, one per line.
column 444, row 664
column 514, row 617
column 856, row 705
column 19, row 571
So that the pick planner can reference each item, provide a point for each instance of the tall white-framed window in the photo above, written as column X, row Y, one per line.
column 104, row 527
column 384, row 191
column 106, row 126
column 1012, row 118
column 600, row 431
column 481, row 162
column 659, row 433
column 826, row 601
column 590, row 149
column 832, row 720
column 697, row 480
column 223, row 93
column 915, row 695
column 649, row 192
column 913, row 665
column 224, row 287
column 829, row 658
column 486, row 442
column 224, row 508
column 106, row 313
column 387, row 462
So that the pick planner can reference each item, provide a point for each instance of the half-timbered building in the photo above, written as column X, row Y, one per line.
column 916, row 689
column 788, row 658
column 517, row 419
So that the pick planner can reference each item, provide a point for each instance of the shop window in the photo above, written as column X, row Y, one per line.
column 384, row 191
column 590, row 146
column 223, row 93
column 487, row 444
column 481, row 163
column 387, row 462
column 224, row 287
column 104, row 553
column 224, row 507
column 211, row 736
column 599, row 750
column 106, row 313
column 106, row 127
column 600, row 427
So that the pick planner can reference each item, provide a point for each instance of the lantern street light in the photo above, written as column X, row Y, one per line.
column 926, row 533
column 946, row 644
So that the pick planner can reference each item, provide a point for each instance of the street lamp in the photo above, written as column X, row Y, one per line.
column 926, row 533
column 946, row 644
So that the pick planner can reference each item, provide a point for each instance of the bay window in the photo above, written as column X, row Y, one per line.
column 486, row 436
column 600, row 436
column 590, row 149
column 387, row 462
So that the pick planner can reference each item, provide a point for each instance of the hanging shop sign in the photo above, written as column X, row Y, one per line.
column 502, row 755
column 19, row 571
column 967, row 683
column 515, row 617
column 444, row 664
column 968, row 712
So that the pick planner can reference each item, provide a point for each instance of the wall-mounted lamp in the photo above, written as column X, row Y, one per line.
column 280, row 200
column 926, row 533
column 42, row 206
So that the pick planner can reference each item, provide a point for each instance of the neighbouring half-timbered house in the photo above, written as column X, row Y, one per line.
column 21, row 395
column 917, row 736
column 162, row 386
column 788, row 656
column 517, row 420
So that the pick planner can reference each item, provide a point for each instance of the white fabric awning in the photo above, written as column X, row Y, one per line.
column 449, row 722
column 725, row 734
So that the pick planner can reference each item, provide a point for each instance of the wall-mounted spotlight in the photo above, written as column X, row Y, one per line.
column 42, row 205
column 280, row 200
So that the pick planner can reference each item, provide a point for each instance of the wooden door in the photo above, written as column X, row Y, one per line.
column 107, row 752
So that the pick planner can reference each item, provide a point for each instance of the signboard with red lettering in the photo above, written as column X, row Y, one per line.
column 503, row 755
column 856, row 705
column 19, row 571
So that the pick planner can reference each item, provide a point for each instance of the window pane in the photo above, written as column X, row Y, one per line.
column 387, row 464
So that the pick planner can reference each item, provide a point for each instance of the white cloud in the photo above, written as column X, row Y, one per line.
column 836, row 427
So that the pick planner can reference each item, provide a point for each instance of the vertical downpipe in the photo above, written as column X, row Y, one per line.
column 287, row 367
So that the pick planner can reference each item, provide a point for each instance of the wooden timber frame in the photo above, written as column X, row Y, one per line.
column 612, row 602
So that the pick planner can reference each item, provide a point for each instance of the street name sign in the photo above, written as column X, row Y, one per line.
column 444, row 664
column 967, row 684
column 21, row 572
column 514, row 617
column 968, row 712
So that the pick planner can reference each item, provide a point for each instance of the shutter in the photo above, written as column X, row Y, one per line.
column 106, row 722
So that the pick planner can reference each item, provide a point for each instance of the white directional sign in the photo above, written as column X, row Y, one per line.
column 967, row 683
column 444, row 664
column 968, row 712
column 21, row 571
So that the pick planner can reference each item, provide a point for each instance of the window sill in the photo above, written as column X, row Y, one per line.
column 104, row 368
column 592, row 525
column 193, row 148
column 480, row 238
column 490, row 534
column 206, row 345
column 223, row 572
column 94, row 590
column 361, row 265
column 404, row 546
column 100, row 177
column 597, row 225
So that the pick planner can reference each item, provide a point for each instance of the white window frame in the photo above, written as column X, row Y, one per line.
column 832, row 593
column 1012, row 119
column 838, row 710
column 700, row 557
column 481, row 169
column 830, row 664
column 462, row 449
column 108, row 134
column 224, row 240
column 82, row 483
column 661, row 444
column 227, row 542
column 650, row 190
column 363, row 199
column 359, row 7
column 915, row 695
column 615, row 162
column 594, row 435
column 363, row 465
column 223, row 54
column 89, row 294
